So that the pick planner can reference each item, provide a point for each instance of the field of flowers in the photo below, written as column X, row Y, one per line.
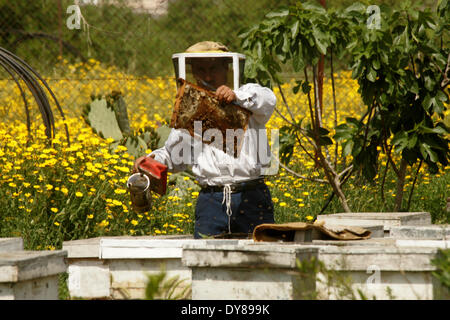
column 51, row 192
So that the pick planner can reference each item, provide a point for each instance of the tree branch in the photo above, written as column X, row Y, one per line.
column 294, row 124
column 313, row 121
column 285, row 102
column 334, row 181
column 334, row 105
column 397, row 172
column 383, row 181
column 345, row 171
column 446, row 80
column 301, row 176
column 304, row 149
column 413, row 185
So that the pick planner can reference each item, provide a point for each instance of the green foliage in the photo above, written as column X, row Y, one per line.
column 355, row 136
column 102, row 119
column 117, row 104
column 287, row 144
column 108, row 117
column 338, row 283
column 159, row 286
column 298, row 35
column 402, row 67
column 399, row 70
column 115, row 34
column 131, row 40
column 63, row 290
column 442, row 264
column 163, row 132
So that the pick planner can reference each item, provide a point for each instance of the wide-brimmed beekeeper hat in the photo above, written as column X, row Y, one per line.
column 207, row 46
column 211, row 50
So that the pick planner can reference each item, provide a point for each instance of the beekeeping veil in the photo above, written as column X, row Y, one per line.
column 232, row 62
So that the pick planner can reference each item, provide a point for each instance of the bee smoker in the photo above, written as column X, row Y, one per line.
column 139, row 186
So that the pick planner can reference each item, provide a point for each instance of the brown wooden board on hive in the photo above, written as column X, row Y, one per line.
column 194, row 103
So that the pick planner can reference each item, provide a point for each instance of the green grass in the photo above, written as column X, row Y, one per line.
column 429, row 195
column 294, row 200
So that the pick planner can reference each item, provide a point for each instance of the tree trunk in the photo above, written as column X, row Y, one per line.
column 320, row 71
column 333, row 179
column 400, row 185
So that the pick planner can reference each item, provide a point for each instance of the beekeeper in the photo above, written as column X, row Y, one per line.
column 234, row 197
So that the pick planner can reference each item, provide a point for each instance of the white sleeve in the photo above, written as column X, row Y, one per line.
column 177, row 140
column 259, row 100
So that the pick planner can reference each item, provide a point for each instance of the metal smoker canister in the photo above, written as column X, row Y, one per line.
column 139, row 186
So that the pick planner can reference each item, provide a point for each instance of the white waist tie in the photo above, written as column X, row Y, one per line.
column 227, row 200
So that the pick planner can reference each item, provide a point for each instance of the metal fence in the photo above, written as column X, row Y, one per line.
column 138, row 36
column 85, row 47
column 94, row 47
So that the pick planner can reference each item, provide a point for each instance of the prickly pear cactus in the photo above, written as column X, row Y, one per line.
column 102, row 119
column 108, row 117
column 136, row 146
column 150, row 136
column 163, row 133
column 116, row 102
column 183, row 187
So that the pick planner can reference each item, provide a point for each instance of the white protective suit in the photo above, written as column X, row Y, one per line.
column 214, row 167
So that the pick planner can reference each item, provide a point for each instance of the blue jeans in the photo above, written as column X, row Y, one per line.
column 249, row 209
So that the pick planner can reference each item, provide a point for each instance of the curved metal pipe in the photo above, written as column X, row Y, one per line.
column 13, row 64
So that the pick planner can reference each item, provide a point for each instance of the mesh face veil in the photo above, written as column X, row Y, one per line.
column 210, row 65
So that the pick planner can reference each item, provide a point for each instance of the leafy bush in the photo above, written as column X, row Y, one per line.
column 160, row 286
column 402, row 67
column 442, row 264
